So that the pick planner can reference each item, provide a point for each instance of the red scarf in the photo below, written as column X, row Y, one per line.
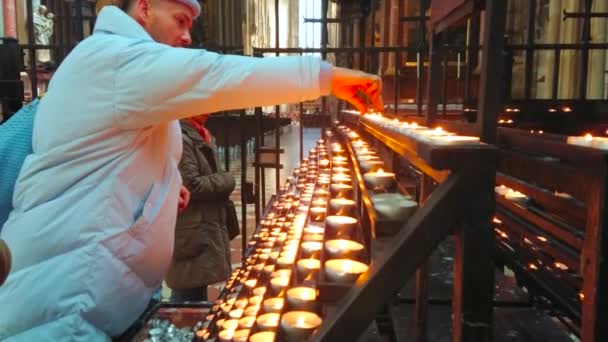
column 204, row 133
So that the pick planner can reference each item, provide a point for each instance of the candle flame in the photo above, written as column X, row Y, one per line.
column 301, row 322
column 542, row 238
column 532, row 266
column 588, row 137
column 380, row 171
column 581, row 295
column 561, row 266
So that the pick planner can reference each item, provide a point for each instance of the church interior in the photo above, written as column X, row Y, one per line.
column 473, row 207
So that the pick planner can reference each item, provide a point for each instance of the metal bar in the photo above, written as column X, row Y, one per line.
column 422, row 275
column 563, row 46
column 471, row 57
column 277, row 110
column 421, row 47
column 370, row 49
column 79, row 22
column 433, row 79
column 585, row 51
column 244, row 238
column 570, row 15
column 414, row 18
column 377, row 286
column 472, row 309
column 556, row 62
column 324, row 44
column 444, row 77
column 32, row 51
column 257, row 144
column 397, row 88
column 227, row 141
column 330, row 20
column 594, row 260
column 490, row 85
column 529, row 51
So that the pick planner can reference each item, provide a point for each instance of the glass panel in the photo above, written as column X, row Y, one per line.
column 569, row 71
column 542, row 77
column 547, row 21
column 517, row 21
column 518, row 78
column 596, row 75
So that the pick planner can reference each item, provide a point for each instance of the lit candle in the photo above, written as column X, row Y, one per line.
column 343, row 248
column 371, row 165
column 246, row 322
column 251, row 310
column 236, row 313
column 230, row 324
column 342, row 206
column 286, row 273
column 264, row 336
column 317, row 214
column 379, row 180
column 240, row 335
column 302, row 298
column 341, row 190
column 516, row 196
column 307, row 267
column 311, row 229
column 340, row 169
column 344, row 270
column 278, row 284
column 285, row 262
column 268, row 321
column 273, row 304
column 453, row 140
column 255, row 300
column 259, row 291
column 299, row 325
column 312, row 237
column 338, row 225
column 226, row 335
column 311, row 248
column 341, row 178
column 585, row 141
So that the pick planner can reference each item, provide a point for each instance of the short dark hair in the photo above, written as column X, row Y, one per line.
column 125, row 4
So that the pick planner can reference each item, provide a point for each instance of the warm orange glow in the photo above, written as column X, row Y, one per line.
column 542, row 238
column 496, row 220
column 581, row 295
column 532, row 267
column 566, row 109
column 561, row 266
column 588, row 137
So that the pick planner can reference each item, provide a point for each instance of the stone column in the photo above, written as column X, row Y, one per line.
column 597, row 58
column 9, row 14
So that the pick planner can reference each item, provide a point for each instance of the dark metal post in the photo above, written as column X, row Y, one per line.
column 490, row 85
column 324, row 44
column 529, row 50
column 243, row 182
column 277, row 116
column 31, row 50
column 585, row 50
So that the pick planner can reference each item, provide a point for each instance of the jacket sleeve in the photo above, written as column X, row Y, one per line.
column 216, row 186
column 157, row 83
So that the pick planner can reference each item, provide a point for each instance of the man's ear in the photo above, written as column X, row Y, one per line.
column 142, row 11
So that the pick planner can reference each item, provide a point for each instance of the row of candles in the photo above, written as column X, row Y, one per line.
column 306, row 238
column 386, row 200
column 435, row 136
column 588, row 140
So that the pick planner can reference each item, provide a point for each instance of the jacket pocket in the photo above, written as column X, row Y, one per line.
column 189, row 243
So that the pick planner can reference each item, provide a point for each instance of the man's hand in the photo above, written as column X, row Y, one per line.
column 357, row 87
column 184, row 199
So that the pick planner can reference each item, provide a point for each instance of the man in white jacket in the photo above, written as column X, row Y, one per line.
column 95, row 204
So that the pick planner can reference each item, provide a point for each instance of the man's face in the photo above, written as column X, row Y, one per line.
column 168, row 22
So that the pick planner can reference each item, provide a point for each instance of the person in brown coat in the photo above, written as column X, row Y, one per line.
column 201, row 254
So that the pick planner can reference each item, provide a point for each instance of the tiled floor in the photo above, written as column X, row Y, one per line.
column 290, row 142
